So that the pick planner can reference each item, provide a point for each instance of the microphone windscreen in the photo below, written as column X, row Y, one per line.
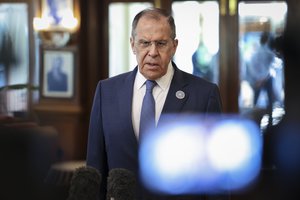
column 121, row 184
column 85, row 184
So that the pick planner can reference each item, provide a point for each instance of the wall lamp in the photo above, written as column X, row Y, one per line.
column 56, row 23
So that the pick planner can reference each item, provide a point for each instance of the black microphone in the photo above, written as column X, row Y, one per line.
column 121, row 185
column 85, row 184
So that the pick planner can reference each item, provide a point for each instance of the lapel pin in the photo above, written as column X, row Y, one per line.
column 180, row 94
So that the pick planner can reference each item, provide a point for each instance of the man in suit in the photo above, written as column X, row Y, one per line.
column 114, row 124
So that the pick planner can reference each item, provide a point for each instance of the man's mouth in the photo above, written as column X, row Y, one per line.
column 152, row 64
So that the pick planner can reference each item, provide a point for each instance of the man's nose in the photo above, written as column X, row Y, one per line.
column 153, row 50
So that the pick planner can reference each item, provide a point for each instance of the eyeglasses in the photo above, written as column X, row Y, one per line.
column 159, row 44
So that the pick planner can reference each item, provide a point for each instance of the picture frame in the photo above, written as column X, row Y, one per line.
column 57, row 12
column 58, row 73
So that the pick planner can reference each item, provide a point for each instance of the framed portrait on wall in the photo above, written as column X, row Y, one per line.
column 58, row 73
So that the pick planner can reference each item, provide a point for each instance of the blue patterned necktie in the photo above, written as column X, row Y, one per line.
column 147, row 120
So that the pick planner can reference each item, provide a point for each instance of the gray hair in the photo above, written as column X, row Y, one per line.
column 154, row 13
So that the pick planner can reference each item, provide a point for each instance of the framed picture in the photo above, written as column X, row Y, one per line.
column 58, row 73
column 57, row 12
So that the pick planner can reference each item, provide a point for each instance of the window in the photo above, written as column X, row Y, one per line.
column 198, row 35
column 14, row 57
column 261, row 63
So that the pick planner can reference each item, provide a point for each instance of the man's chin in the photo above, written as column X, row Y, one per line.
column 152, row 74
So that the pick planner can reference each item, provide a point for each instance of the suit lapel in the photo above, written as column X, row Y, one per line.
column 125, row 101
column 178, row 93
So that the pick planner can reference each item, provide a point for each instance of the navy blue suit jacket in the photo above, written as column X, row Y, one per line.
column 112, row 142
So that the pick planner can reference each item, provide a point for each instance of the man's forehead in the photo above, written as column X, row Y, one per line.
column 149, row 17
column 145, row 23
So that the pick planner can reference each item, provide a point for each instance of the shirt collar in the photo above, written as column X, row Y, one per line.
column 163, row 82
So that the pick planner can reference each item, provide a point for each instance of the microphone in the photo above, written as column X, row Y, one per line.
column 85, row 184
column 121, row 184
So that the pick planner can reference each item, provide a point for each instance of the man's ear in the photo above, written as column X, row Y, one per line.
column 132, row 45
column 175, row 43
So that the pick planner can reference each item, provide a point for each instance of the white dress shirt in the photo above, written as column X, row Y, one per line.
column 159, row 92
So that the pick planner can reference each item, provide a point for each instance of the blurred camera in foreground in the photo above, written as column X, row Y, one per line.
column 200, row 155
